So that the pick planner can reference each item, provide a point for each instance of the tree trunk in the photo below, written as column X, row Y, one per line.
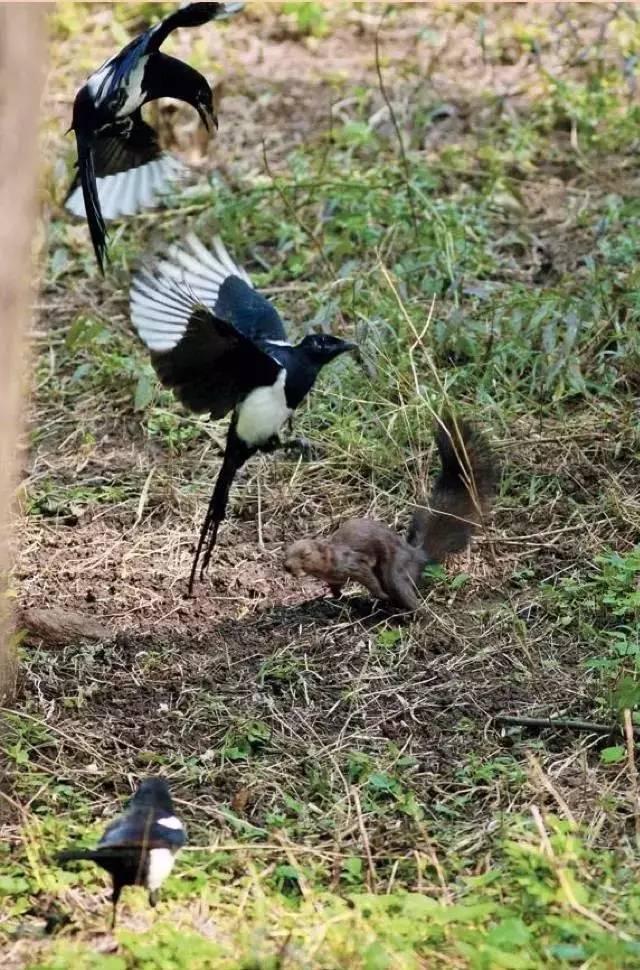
column 22, row 60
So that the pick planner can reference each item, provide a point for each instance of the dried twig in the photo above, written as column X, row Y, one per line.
column 543, row 779
column 633, row 771
column 371, row 869
column 144, row 498
column 563, row 723
column 396, row 126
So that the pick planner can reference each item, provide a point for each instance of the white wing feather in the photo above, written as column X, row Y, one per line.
column 161, row 298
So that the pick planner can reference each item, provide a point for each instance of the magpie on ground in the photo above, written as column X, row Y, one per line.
column 139, row 847
column 121, row 167
column 222, row 347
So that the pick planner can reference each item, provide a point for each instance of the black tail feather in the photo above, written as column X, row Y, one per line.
column 97, row 227
column 204, row 535
column 192, row 15
column 102, row 855
column 71, row 855
column 213, row 536
column 235, row 455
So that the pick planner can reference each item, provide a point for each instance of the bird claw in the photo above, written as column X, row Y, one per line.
column 308, row 450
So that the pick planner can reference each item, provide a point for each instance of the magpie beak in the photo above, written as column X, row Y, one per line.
column 209, row 118
column 347, row 345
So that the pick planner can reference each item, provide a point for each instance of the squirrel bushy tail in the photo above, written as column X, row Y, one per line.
column 461, row 496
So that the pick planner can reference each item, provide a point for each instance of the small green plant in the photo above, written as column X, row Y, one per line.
column 309, row 16
column 388, row 639
column 245, row 741
column 604, row 606
column 176, row 430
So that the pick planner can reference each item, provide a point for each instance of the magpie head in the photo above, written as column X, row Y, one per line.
column 202, row 101
column 153, row 793
column 320, row 348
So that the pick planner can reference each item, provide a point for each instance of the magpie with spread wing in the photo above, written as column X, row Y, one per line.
column 121, row 167
column 139, row 847
column 222, row 348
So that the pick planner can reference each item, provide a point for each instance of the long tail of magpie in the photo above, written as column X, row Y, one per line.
column 194, row 15
column 71, row 855
column 102, row 855
column 235, row 455
column 97, row 228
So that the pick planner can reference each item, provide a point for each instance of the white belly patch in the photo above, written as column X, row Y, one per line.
column 160, row 865
column 263, row 412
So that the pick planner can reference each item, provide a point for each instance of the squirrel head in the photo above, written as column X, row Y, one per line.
column 312, row 556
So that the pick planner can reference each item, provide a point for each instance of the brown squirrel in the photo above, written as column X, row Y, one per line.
column 389, row 566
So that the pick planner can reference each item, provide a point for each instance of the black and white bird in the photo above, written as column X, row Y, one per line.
column 222, row 348
column 139, row 847
column 121, row 167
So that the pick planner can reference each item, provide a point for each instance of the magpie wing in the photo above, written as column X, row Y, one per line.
column 91, row 201
column 143, row 828
column 207, row 361
column 226, row 288
column 130, row 170
column 117, row 149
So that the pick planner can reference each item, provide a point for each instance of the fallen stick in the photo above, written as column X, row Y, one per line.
column 569, row 725
column 61, row 627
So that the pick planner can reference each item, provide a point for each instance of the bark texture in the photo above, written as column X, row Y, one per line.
column 22, row 60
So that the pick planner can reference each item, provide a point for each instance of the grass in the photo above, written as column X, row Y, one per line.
column 349, row 800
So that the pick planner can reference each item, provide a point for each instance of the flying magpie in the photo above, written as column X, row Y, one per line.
column 121, row 167
column 222, row 347
column 138, row 848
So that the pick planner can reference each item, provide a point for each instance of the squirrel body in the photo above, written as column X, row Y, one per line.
column 390, row 567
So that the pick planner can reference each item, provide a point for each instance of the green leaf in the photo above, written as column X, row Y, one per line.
column 13, row 885
column 381, row 781
column 459, row 580
column 293, row 804
column 375, row 957
column 434, row 571
column 352, row 869
column 509, row 934
column 59, row 261
column 568, row 951
column 81, row 371
column 144, row 392
column 613, row 755
column 388, row 638
column 235, row 754
column 627, row 694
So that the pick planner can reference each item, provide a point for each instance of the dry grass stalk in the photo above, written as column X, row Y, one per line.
column 632, row 769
